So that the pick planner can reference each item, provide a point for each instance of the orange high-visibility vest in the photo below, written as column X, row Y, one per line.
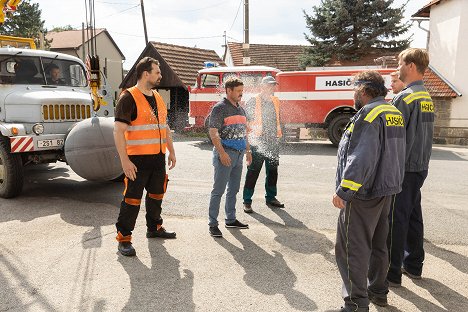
column 147, row 135
column 256, row 125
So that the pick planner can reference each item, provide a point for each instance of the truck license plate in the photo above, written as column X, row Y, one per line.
column 50, row 143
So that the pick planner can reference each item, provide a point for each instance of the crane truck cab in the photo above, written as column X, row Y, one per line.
column 43, row 95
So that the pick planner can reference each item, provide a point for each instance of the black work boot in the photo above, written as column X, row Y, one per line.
column 274, row 203
column 126, row 249
column 161, row 232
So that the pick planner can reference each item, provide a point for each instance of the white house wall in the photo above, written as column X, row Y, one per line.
column 106, row 50
column 448, row 50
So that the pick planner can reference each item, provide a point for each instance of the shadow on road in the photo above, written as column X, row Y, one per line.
column 16, row 292
column 308, row 148
column 458, row 261
column 48, row 190
column 297, row 148
column 161, row 286
column 449, row 299
column 296, row 236
column 441, row 154
column 265, row 273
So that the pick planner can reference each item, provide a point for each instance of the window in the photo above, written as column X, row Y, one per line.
column 210, row 81
column 41, row 71
column 20, row 70
column 251, row 79
column 64, row 73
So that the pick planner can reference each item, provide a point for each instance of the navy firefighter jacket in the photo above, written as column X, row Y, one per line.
column 417, row 108
column 371, row 153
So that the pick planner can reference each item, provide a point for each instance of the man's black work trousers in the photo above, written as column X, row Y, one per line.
column 155, row 182
column 406, row 235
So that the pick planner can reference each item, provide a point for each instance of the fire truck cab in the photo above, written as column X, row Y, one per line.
column 209, row 89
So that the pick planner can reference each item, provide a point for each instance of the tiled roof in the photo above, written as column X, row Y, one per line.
column 425, row 11
column 73, row 39
column 436, row 86
column 186, row 61
column 69, row 39
column 283, row 57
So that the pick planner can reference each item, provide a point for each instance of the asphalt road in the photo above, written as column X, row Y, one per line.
column 58, row 251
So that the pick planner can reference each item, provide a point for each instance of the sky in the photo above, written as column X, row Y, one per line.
column 198, row 24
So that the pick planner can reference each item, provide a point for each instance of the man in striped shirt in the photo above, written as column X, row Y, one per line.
column 228, row 132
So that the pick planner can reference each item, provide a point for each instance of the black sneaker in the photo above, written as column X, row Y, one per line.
column 161, row 232
column 380, row 300
column 274, row 203
column 237, row 224
column 248, row 208
column 410, row 275
column 215, row 232
column 126, row 249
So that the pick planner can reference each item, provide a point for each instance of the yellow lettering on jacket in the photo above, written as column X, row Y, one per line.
column 427, row 107
column 394, row 120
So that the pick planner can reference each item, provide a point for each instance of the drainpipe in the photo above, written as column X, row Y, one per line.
column 419, row 20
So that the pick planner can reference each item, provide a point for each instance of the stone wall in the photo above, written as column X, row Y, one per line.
column 443, row 133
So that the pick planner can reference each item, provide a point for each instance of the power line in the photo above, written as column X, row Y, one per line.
column 120, row 12
column 168, row 38
column 200, row 9
column 237, row 13
column 118, row 3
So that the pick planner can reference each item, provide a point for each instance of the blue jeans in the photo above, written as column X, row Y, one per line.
column 230, row 176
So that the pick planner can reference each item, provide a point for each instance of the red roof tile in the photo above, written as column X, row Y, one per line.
column 436, row 86
column 186, row 61
column 283, row 57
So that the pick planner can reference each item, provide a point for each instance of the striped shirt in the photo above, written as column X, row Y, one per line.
column 231, row 123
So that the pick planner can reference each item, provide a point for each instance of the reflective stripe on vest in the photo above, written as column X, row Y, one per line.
column 256, row 125
column 147, row 135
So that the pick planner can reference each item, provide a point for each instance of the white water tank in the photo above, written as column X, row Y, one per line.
column 90, row 150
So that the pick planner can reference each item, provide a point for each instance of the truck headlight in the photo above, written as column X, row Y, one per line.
column 38, row 128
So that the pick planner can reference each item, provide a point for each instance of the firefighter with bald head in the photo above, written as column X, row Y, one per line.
column 264, row 132
column 371, row 157
column 142, row 137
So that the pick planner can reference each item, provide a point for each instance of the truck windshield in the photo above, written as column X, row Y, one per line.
column 29, row 70
column 250, row 79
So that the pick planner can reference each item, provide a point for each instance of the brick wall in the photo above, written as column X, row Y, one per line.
column 443, row 133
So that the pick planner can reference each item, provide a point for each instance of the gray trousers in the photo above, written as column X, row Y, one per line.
column 361, row 250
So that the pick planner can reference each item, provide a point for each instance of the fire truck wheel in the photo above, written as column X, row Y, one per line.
column 336, row 127
column 11, row 171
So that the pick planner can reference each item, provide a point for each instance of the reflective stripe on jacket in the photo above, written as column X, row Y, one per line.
column 371, row 153
column 256, row 125
column 147, row 134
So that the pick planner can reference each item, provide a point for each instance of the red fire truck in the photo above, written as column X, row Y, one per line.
column 209, row 89
column 321, row 98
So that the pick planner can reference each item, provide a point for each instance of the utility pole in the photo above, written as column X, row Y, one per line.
column 246, row 45
column 144, row 21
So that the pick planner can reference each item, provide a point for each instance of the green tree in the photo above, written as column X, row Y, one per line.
column 348, row 29
column 25, row 22
column 62, row 28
